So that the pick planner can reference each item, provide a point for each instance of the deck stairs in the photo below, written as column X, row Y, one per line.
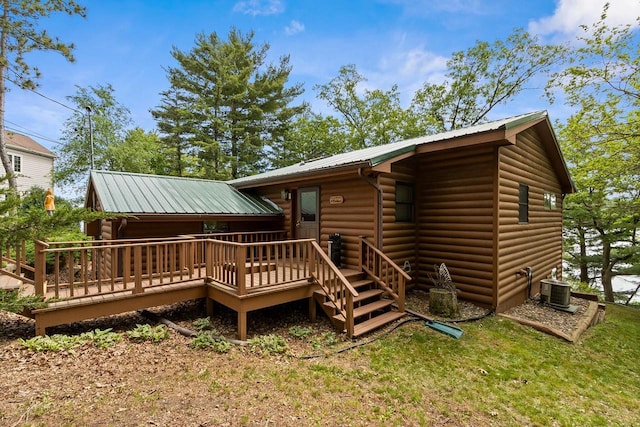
column 372, row 308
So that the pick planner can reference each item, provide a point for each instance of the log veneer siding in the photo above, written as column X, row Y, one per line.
column 398, row 238
column 455, row 218
column 353, row 218
column 538, row 243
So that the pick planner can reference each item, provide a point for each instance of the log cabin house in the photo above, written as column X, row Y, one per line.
column 486, row 200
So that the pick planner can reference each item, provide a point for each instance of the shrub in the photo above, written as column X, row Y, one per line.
column 148, row 333
column 268, row 344
column 207, row 340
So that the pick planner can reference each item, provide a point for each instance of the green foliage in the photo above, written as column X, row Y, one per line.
column 209, row 340
column 311, row 136
column 13, row 302
column 58, row 342
column 102, row 338
column 109, row 121
column 481, row 78
column 227, row 103
column 202, row 324
column 300, row 332
column 147, row 332
column 602, row 146
column 24, row 220
column 54, row 343
column 327, row 339
column 139, row 152
column 268, row 345
column 21, row 35
column 317, row 342
column 373, row 118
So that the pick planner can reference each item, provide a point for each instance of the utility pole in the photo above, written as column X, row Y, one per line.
column 90, row 134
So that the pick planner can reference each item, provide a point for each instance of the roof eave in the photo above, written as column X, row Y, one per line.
column 305, row 175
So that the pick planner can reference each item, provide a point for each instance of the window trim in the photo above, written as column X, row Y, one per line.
column 12, row 158
column 410, row 204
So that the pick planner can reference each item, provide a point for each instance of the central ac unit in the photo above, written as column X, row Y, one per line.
column 555, row 292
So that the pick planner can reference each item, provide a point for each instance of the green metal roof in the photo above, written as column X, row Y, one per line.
column 373, row 156
column 122, row 192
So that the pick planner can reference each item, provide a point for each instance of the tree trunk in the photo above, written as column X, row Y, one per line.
column 4, row 156
column 606, row 270
column 584, row 270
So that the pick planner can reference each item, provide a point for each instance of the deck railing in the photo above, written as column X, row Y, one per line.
column 248, row 267
column 244, row 237
column 336, row 287
column 387, row 274
column 69, row 270
column 99, row 267
column 13, row 262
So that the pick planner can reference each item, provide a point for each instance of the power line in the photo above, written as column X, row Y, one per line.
column 45, row 96
column 32, row 134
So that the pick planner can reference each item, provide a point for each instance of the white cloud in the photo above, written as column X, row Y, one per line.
column 570, row 14
column 259, row 7
column 294, row 27
column 409, row 69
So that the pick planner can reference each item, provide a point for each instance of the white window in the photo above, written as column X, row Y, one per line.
column 550, row 201
column 16, row 162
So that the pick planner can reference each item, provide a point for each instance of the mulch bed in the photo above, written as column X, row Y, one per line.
column 277, row 320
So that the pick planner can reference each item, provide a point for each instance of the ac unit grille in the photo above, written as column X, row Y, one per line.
column 556, row 292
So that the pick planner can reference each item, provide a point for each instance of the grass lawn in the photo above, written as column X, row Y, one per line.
column 498, row 374
column 506, row 374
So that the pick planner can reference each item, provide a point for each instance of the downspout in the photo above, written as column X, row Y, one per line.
column 374, row 184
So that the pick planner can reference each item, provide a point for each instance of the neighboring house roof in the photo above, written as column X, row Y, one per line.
column 374, row 156
column 138, row 194
column 23, row 143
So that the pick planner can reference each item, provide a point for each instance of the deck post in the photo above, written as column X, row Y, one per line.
column 401, row 290
column 40, row 278
column 241, row 270
column 137, row 269
column 242, row 324
column 360, row 258
column 208, row 258
column 312, row 309
column 349, row 321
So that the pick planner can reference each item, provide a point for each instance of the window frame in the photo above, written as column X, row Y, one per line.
column 12, row 158
column 409, row 214
column 523, row 204
column 550, row 201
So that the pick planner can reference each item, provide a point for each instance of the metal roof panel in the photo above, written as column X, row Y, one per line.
column 373, row 156
column 124, row 192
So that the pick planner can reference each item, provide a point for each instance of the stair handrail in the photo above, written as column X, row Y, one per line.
column 344, row 304
column 373, row 269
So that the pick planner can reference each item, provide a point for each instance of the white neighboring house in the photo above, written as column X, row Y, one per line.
column 32, row 163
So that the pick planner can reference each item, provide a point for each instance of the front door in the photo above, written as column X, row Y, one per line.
column 307, row 217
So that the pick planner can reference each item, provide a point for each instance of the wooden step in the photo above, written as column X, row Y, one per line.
column 361, row 283
column 362, row 296
column 369, row 293
column 376, row 322
column 367, row 309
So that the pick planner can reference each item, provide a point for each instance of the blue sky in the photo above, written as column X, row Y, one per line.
column 127, row 43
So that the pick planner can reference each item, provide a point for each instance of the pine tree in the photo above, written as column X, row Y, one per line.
column 237, row 104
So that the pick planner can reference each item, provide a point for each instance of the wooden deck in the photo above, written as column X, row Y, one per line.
column 101, row 278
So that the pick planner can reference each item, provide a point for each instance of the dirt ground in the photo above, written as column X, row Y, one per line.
column 171, row 384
